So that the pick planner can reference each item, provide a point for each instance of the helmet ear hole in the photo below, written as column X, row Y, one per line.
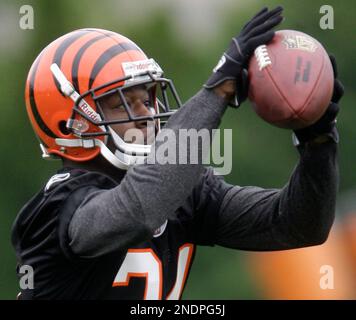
column 62, row 125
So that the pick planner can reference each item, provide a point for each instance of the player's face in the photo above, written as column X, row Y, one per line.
column 140, row 103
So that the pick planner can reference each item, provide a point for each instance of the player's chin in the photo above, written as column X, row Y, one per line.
column 138, row 136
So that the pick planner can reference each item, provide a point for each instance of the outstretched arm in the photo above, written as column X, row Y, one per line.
column 301, row 214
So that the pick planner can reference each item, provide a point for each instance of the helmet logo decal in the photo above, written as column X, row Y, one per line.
column 89, row 111
column 134, row 69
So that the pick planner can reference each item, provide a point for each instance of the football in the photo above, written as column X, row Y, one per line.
column 290, row 80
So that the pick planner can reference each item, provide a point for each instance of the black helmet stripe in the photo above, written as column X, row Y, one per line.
column 62, row 49
column 34, row 110
column 78, row 57
column 107, row 56
column 57, row 59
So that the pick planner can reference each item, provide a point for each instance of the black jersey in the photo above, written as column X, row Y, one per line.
column 155, row 269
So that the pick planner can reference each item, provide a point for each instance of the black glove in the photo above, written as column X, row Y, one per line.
column 234, row 62
column 326, row 125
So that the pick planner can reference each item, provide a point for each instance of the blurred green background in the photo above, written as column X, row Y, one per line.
column 186, row 37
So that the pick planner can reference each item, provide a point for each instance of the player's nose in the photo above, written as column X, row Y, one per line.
column 141, row 110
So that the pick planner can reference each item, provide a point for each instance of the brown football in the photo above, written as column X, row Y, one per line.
column 291, row 80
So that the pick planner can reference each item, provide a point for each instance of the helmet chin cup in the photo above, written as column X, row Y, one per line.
column 128, row 153
column 118, row 160
column 129, row 148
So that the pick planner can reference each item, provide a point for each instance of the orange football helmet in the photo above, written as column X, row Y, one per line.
column 67, row 81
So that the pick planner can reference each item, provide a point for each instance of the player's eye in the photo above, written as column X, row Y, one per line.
column 119, row 107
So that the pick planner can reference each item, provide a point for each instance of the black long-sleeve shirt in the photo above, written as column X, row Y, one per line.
column 88, row 236
column 251, row 218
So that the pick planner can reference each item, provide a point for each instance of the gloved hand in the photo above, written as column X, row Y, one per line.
column 234, row 62
column 325, row 127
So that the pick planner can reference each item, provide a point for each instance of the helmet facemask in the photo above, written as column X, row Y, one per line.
column 121, row 150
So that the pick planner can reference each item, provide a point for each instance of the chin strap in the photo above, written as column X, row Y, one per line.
column 119, row 159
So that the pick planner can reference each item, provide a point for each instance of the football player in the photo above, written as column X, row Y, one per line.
column 111, row 225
